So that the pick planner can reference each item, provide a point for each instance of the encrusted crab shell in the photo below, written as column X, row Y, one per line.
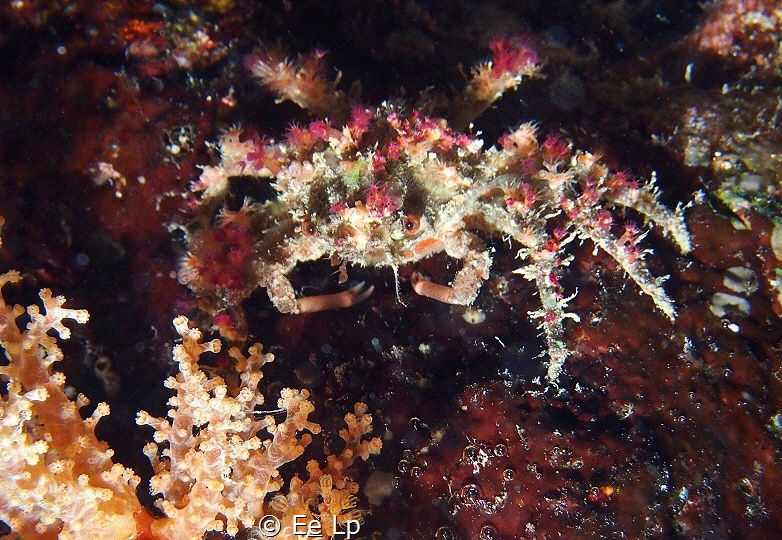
column 388, row 189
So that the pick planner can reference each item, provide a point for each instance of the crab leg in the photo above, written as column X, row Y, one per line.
column 441, row 293
column 465, row 285
column 344, row 299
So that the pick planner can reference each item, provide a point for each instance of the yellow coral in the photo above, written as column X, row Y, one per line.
column 57, row 479
column 216, row 462
column 231, row 444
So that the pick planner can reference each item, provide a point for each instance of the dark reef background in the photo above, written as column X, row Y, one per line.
column 656, row 430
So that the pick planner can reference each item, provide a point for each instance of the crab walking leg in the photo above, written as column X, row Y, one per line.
column 344, row 299
column 465, row 285
column 279, row 287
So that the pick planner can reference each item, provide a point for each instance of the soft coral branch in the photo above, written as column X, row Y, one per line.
column 301, row 81
column 512, row 60
column 215, row 458
column 57, row 480
column 220, row 460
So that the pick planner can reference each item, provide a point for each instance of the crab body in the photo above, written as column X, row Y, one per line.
column 387, row 189
column 390, row 214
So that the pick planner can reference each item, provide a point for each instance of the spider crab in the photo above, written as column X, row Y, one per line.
column 376, row 187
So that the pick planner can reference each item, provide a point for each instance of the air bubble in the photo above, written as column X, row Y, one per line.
column 470, row 453
column 470, row 494
column 508, row 474
column 445, row 533
column 488, row 532
column 82, row 260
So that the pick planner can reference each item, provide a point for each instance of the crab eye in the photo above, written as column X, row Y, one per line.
column 411, row 224
column 308, row 228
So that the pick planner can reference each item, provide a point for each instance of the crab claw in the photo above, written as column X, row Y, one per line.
column 424, row 287
column 344, row 299
column 465, row 285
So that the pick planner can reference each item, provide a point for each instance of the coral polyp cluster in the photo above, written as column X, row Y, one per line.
column 216, row 456
column 391, row 187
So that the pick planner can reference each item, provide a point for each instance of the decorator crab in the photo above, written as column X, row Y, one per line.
column 379, row 187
